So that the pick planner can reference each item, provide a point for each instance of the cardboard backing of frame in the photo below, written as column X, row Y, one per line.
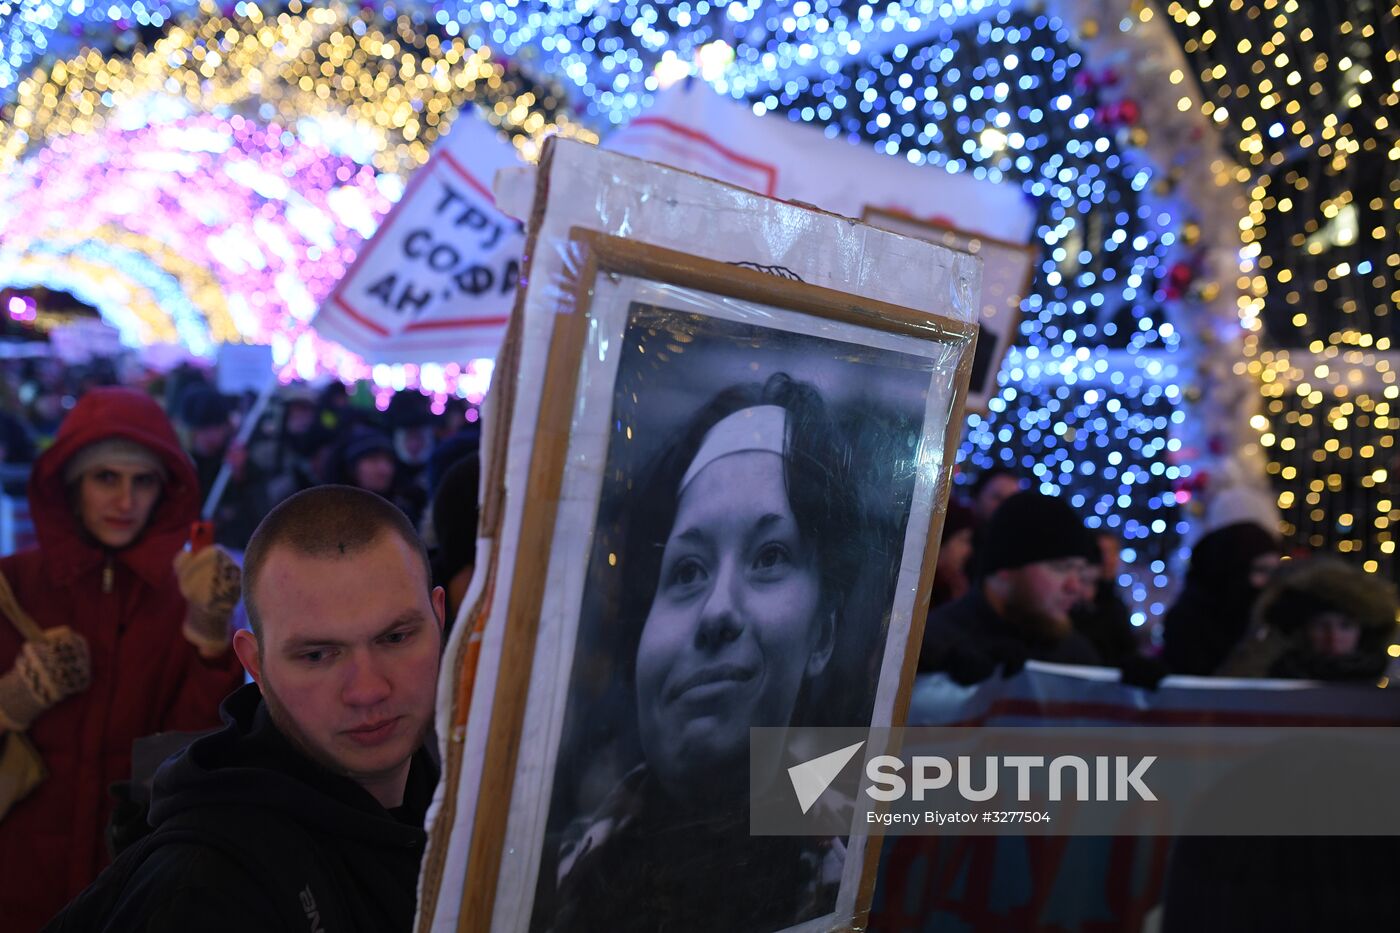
column 875, row 216
column 605, row 253
column 865, row 893
column 546, row 476
column 463, row 665
column 644, row 260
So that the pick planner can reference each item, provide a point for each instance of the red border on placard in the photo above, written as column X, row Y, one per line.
column 474, row 322
column 378, row 238
column 359, row 318
column 768, row 169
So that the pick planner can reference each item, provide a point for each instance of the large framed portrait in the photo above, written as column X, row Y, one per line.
column 1007, row 270
column 731, row 515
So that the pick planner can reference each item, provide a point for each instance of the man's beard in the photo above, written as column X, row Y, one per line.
column 288, row 727
column 1024, row 612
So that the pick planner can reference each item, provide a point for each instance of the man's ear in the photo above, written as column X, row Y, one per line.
column 440, row 606
column 245, row 645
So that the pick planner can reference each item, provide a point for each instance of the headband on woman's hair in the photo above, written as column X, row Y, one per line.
column 760, row 427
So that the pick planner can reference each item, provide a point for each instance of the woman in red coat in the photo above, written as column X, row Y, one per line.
column 134, row 637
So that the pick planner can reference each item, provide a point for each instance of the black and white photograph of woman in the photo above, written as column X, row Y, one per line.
column 742, row 574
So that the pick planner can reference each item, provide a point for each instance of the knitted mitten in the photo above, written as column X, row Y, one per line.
column 211, row 583
column 46, row 671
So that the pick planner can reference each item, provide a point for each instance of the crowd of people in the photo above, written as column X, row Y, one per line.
column 1020, row 577
column 306, row 436
column 119, row 621
column 347, row 535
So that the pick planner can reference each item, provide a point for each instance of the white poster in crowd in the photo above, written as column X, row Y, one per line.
column 694, row 128
column 83, row 340
column 243, row 367
column 437, row 280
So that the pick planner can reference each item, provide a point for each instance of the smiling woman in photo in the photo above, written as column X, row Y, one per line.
column 740, row 554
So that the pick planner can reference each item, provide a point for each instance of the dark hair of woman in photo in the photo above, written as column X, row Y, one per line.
column 741, row 550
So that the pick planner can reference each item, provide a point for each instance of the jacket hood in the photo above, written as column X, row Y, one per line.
column 1304, row 589
column 249, row 763
column 1221, row 559
column 103, row 413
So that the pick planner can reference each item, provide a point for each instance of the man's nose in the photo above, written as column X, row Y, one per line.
column 365, row 683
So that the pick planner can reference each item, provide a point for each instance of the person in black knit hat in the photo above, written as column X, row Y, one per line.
column 1030, row 572
column 366, row 460
column 205, row 418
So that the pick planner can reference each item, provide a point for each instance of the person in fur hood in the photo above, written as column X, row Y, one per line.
column 1321, row 619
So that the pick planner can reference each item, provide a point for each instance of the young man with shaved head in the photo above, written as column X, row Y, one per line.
column 305, row 812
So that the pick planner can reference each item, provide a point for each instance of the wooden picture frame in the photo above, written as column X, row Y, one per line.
column 567, row 484
column 1007, row 272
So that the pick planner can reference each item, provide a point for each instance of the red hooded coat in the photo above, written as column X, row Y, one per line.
column 146, row 677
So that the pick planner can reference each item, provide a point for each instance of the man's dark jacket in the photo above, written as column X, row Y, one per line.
column 969, row 640
column 252, row 835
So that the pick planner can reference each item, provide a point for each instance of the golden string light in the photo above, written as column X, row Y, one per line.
column 389, row 82
column 1309, row 110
